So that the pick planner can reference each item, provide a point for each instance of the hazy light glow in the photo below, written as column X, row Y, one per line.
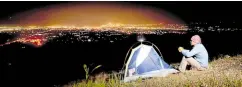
column 92, row 14
column 140, row 38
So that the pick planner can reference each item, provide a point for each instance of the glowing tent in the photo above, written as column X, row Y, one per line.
column 145, row 62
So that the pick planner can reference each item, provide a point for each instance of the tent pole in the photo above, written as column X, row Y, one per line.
column 127, row 54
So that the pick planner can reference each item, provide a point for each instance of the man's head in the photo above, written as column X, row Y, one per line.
column 195, row 40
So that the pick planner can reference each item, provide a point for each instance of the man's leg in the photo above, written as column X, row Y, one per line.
column 183, row 64
column 194, row 63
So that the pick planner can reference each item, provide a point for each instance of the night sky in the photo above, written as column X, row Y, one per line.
column 187, row 11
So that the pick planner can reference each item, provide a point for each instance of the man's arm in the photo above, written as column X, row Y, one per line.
column 191, row 53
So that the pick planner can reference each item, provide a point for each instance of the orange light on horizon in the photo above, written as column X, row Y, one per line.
column 93, row 14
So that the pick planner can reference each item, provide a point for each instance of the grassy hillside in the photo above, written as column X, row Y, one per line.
column 223, row 72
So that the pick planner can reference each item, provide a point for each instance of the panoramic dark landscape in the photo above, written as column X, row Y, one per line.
column 48, row 56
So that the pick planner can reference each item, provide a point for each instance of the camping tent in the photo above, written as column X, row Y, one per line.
column 144, row 61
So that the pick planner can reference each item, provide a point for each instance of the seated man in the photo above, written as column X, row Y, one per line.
column 197, row 57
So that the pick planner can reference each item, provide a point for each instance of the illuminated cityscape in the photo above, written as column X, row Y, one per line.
column 111, row 32
column 109, row 26
column 37, row 36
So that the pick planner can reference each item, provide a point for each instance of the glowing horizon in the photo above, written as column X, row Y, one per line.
column 92, row 14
